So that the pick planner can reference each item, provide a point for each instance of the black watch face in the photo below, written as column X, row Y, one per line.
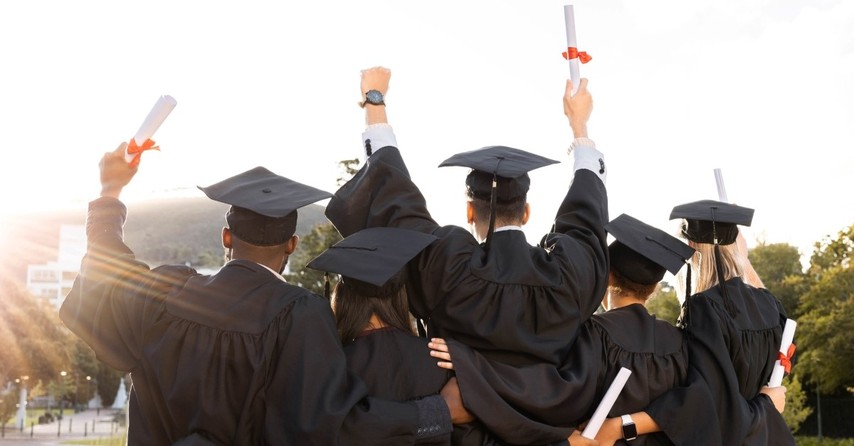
column 374, row 97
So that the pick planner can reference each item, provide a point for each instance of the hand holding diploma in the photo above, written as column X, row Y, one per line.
column 142, row 140
column 606, row 404
column 572, row 54
column 784, row 357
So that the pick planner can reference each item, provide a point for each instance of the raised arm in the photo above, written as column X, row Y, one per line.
column 98, row 308
column 381, row 193
column 375, row 79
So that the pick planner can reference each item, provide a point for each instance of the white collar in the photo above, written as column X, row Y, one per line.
column 508, row 228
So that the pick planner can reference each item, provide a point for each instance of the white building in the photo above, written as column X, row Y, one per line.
column 53, row 280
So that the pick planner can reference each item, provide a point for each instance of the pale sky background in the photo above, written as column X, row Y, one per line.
column 763, row 89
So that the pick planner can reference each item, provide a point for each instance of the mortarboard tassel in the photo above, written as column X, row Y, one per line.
column 682, row 320
column 492, row 199
column 326, row 293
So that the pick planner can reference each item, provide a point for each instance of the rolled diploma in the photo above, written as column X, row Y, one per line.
column 574, row 74
column 152, row 122
column 719, row 179
column 779, row 371
column 606, row 404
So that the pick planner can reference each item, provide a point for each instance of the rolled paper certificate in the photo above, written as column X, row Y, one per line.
column 574, row 73
column 784, row 363
column 719, row 179
column 152, row 122
column 606, row 404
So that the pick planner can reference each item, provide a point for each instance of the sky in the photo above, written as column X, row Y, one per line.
column 761, row 89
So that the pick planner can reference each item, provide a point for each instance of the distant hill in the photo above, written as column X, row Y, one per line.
column 175, row 230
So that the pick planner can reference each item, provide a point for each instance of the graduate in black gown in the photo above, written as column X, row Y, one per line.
column 238, row 357
column 516, row 303
column 372, row 313
column 626, row 335
column 734, row 328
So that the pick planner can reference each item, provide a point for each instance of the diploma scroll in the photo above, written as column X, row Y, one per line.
column 784, row 363
column 719, row 179
column 155, row 118
column 606, row 404
column 574, row 73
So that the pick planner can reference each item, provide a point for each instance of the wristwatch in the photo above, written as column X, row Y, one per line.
column 373, row 97
column 630, row 432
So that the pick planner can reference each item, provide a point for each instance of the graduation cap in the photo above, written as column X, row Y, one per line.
column 709, row 221
column 642, row 253
column 498, row 174
column 263, row 204
column 716, row 222
column 371, row 261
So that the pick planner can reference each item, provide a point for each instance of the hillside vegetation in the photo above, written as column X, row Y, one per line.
column 176, row 230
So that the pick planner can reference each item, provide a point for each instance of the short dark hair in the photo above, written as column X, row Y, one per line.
column 505, row 211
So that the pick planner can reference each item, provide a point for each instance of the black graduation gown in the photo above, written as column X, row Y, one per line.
column 734, row 355
column 516, row 303
column 396, row 366
column 238, row 357
column 629, row 337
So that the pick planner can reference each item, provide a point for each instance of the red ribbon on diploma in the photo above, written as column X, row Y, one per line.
column 786, row 359
column 133, row 149
column 573, row 53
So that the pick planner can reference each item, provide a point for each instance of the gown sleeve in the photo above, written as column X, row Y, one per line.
column 380, row 194
column 111, row 301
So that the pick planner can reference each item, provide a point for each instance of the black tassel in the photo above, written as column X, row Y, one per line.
column 492, row 199
column 326, row 292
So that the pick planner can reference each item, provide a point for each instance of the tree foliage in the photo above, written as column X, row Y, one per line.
column 779, row 267
column 664, row 304
column 825, row 335
column 34, row 341
column 796, row 409
column 318, row 240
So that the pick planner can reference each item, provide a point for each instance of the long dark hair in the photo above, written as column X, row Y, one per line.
column 353, row 311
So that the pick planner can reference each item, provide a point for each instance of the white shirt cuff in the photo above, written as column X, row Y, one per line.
column 377, row 136
column 587, row 157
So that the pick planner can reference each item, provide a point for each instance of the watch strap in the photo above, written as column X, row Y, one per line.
column 630, row 431
column 374, row 102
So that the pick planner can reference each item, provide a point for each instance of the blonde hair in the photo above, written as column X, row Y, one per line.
column 703, row 265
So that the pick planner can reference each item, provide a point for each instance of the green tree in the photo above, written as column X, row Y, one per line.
column 108, row 384
column 318, row 240
column 34, row 341
column 8, row 403
column 348, row 169
column 796, row 409
column 825, row 335
column 779, row 267
column 314, row 243
column 664, row 304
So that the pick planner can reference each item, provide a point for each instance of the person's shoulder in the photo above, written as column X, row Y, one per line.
column 166, row 278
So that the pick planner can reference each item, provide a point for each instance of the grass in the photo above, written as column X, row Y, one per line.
column 111, row 441
column 814, row 441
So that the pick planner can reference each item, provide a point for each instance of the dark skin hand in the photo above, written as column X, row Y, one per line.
column 451, row 393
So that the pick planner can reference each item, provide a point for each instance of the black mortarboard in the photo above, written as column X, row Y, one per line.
column 498, row 174
column 263, row 204
column 509, row 165
column 642, row 253
column 709, row 221
column 371, row 261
